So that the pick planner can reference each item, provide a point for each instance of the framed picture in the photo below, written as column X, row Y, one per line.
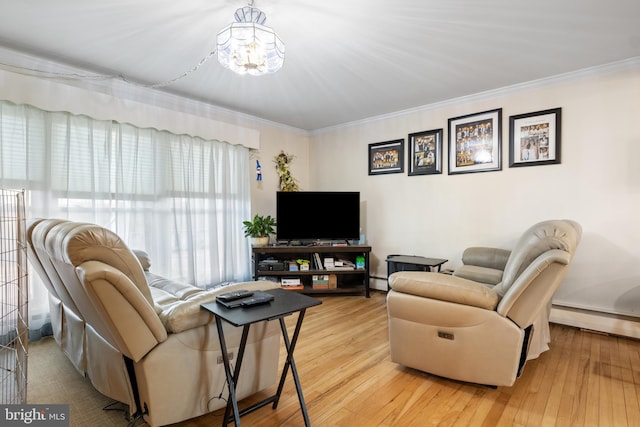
column 425, row 152
column 475, row 142
column 534, row 138
column 386, row 157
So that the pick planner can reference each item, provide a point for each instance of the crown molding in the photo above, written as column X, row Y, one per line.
column 19, row 62
column 601, row 70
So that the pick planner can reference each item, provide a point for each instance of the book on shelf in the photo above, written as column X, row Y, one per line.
column 290, row 281
column 320, row 278
column 317, row 262
column 320, row 281
column 342, row 264
column 333, row 281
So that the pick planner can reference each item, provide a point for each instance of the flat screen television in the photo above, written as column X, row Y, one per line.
column 318, row 215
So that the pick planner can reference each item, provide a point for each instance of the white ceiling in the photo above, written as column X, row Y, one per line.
column 345, row 60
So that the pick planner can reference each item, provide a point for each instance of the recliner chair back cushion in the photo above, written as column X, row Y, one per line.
column 89, row 242
column 540, row 238
column 37, row 229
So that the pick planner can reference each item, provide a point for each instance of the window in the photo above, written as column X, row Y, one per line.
column 180, row 198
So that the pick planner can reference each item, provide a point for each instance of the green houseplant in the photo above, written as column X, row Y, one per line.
column 259, row 229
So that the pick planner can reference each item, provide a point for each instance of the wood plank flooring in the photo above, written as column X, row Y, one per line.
column 586, row 379
column 348, row 379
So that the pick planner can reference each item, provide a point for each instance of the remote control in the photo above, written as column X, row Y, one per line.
column 260, row 299
column 232, row 296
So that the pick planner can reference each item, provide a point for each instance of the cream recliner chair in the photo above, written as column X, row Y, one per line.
column 455, row 327
column 141, row 339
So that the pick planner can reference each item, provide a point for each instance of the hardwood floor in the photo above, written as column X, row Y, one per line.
column 348, row 379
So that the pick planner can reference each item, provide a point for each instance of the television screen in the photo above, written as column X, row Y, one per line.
column 318, row 215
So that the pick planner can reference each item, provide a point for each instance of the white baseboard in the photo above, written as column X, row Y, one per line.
column 377, row 283
column 596, row 321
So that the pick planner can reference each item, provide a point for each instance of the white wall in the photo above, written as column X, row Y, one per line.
column 597, row 184
column 273, row 140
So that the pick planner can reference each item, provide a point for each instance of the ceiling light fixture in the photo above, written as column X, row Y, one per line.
column 249, row 47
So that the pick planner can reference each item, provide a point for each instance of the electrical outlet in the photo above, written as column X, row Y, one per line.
column 220, row 361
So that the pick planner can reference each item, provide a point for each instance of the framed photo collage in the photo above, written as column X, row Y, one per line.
column 474, row 145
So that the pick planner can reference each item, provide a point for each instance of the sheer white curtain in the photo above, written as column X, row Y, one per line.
column 180, row 198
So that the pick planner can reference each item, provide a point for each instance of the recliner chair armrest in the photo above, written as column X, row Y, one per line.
column 495, row 258
column 188, row 314
column 444, row 287
column 124, row 314
column 540, row 295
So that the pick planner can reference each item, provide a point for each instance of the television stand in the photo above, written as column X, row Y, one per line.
column 348, row 278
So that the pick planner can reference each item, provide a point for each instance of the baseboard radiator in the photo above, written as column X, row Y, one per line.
column 614, row 324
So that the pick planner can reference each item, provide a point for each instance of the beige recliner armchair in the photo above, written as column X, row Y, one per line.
column 142, row 339
column 482, row 330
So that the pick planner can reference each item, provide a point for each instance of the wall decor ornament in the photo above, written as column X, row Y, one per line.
column 386, row 157
column 475, row 142
column 258, row 171
column 534, row 138
column 287, row 181
column 425, row 152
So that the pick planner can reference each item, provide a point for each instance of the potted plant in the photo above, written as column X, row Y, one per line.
column 259, row 229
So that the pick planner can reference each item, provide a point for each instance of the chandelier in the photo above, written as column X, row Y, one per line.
column 249, row 47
